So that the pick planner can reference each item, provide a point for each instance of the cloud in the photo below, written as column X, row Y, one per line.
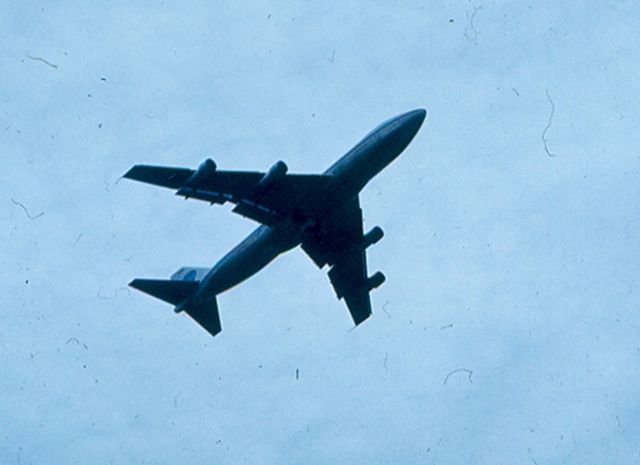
column 499, row 259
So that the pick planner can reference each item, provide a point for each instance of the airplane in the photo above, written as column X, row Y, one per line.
column 319, row 212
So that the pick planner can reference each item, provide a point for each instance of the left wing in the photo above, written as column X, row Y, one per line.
column 264, row 197
column 338, row 240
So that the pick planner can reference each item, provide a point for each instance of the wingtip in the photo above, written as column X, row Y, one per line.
column 130, row 173
column 359, row 319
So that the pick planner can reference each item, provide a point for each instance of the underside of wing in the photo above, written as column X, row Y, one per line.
column 338, row 240
column 265, row 197
column 349, row 280
column 164, row 176
column 294, row 196
column 337, row 231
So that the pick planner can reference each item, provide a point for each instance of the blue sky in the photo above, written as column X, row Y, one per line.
column 500, row 259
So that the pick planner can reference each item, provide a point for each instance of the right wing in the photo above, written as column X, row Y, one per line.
column 349, row 279
column 338, row 240
column 263, row 197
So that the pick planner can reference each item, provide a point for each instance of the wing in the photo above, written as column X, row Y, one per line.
column 349, row 279
column 338, row 240
column 264, row 197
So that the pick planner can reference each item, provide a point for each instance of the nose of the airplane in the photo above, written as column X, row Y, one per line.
column 408, row 125
column 400, row 131
column 415, row 118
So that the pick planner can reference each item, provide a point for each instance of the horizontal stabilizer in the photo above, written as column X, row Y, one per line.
column 174, row 292
column 206, row 316
column 177, row 293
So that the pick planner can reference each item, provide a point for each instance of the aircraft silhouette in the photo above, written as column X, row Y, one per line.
column 319, row 212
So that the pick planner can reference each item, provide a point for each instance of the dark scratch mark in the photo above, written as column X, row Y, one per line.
column 48, row 63
column 77, row 341
column 31, row 217
column 175, row 400
column 386, row 358
column 297, row 373
column 544, row 132
column 77, row 239
column 471, row 17
column 618, row 420
column 466, row 370
column 114, row 295
column 516, row 91
column 450, row 325
column 384, row 309
column 333, row 57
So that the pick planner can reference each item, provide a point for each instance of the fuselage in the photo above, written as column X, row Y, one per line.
column 348, row 176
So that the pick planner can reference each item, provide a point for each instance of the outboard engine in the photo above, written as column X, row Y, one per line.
column 206, row 169
column 373, row 236
column 275, row 173
column 375, row 280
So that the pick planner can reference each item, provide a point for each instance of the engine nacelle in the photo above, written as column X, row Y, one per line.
column 373, row 236
column 206, row 169
column 275, row 173
column 375, row 280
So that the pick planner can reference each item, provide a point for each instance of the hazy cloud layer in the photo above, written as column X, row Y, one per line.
column 501, row 259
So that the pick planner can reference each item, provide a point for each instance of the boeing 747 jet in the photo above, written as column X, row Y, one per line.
column 319, row 212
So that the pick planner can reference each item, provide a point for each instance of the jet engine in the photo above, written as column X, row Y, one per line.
column 204, row 171
column 373, row 236
column 375, row 280
column 275, row 173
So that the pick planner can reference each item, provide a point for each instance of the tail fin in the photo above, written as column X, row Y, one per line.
column 190, row 273
column 178, row 294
